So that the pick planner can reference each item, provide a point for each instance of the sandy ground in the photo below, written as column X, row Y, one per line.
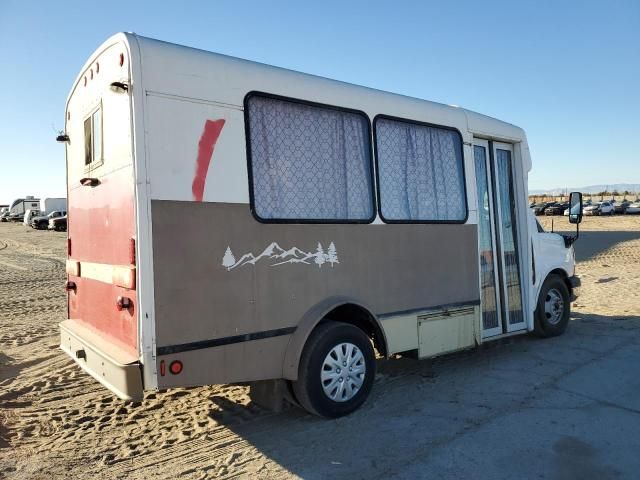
column 571, row 403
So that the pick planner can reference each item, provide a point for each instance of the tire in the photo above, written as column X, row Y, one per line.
column 549, row 320
column 324, row 345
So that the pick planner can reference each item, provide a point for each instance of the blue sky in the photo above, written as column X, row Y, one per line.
column 567, row 72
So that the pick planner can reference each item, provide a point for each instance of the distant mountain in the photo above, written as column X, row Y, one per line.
column 620, row 187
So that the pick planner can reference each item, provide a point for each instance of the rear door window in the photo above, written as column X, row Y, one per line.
column 93, row 138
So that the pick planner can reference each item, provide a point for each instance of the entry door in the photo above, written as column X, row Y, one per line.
column 500, row 285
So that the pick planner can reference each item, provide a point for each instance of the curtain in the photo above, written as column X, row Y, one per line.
column 420, row 172
column 309, row 162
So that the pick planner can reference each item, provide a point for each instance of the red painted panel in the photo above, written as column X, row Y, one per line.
column 94, row 303
column 101, row 225
column 208, row 139
column 101, row 219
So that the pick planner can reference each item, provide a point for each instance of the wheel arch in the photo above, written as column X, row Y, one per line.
column 562, row 273
column 341, row 309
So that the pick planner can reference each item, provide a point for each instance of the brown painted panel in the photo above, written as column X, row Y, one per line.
column 239, row 362
column 388, row 267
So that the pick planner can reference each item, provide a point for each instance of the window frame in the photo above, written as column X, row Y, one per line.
column 370, row 160
column 382, row 116
column 94, row 163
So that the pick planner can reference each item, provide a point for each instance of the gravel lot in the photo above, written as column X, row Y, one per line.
column 567, row 407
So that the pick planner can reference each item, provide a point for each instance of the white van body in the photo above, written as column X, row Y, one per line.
column 178, row 277
column 48, row 205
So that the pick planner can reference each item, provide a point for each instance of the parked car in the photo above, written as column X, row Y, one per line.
column 541, row 207
column 633, row 208
column 42, row 222
column 599, row 208
column 59, row 224
column 557, row 209
column 620, row 207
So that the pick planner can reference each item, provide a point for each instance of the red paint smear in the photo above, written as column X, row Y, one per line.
column 210, row 134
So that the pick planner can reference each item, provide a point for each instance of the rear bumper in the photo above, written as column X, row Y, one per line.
column 575, row 287
column 117, row 370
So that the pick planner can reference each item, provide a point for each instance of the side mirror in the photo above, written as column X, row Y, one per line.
column 575, row 207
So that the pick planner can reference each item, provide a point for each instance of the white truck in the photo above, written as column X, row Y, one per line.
column 236, row 222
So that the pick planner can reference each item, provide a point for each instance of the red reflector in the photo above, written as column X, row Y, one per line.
column 175, row 367
column 68, row 247
column 162, row 368
column 121, row 59
column 132, row 251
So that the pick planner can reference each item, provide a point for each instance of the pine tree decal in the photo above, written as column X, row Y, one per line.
column 228, row 260
column 332, row 254
column 320, row 256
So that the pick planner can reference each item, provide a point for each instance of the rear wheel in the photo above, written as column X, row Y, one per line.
column 336, row 370
column 552, row 311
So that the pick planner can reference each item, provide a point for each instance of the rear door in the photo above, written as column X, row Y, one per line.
column 101, row 206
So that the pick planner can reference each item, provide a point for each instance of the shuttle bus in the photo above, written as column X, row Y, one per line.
column 231, row 221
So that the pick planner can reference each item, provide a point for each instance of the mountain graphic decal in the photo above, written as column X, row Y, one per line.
column 275, row 256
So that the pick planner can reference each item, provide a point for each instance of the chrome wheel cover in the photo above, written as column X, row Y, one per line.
column 343, row 372
column 553, row 306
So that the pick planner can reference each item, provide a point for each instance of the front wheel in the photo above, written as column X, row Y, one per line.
column 336, row 370
column 552, row 311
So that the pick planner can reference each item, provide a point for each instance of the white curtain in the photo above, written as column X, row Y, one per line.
column 420, row 172
column 309, row 162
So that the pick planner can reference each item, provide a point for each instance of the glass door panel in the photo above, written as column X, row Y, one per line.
column 505, row 199
column 491, row 324
column 500, row 286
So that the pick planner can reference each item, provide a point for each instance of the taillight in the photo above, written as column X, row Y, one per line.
column 175, row 367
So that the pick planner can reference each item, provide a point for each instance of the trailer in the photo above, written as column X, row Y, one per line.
column 48, row 205
column 20, row 206
column 231, row 221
